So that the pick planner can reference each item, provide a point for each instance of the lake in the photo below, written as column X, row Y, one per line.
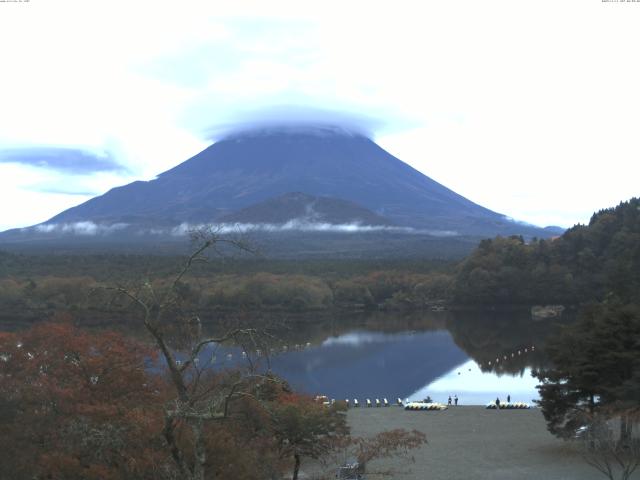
column 477, row 356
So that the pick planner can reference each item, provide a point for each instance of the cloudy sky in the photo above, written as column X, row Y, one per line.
column 529, row 108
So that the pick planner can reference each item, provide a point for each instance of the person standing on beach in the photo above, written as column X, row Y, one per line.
column 508, row 398
column 449, row 401
column 455, row 400
column 498, row 403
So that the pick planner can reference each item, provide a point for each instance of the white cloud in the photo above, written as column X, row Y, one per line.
column 295, row 225
column 81, row 228
column 291, row 225
column 357, row 339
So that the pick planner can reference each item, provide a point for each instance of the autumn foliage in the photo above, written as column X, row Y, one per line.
column 77, row 405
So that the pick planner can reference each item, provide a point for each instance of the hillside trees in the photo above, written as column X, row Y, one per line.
column 587, row 263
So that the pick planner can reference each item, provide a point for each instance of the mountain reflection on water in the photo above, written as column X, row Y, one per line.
column 368, row 364
column 477, row 356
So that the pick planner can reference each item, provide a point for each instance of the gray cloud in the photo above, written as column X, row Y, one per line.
column 62, row 159
column 295, row 117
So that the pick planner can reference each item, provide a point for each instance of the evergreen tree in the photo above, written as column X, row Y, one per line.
column 596, row 370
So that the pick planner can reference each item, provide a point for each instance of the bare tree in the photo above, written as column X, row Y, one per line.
column 613, row 451
column 356, row 453
column 199, row 399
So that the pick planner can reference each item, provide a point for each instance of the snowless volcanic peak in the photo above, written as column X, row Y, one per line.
column 258, row 164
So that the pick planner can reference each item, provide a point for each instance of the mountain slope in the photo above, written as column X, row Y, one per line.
column 353, row 200
column 252, row 167
column 303, row 208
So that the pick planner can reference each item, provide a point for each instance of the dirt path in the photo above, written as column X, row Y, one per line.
column 472, row 443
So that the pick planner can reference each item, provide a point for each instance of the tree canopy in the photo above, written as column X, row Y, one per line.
column 77, row 405
column 587, row 263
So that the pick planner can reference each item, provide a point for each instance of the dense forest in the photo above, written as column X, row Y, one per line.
column 38, row 286
column 587, row 263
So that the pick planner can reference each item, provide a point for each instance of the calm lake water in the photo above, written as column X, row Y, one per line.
column 476, row 356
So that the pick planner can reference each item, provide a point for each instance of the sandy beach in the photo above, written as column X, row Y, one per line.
column 470, row 442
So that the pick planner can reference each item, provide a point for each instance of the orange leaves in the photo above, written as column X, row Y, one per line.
column 76, row 368
column 287, row 398
column 82, row 404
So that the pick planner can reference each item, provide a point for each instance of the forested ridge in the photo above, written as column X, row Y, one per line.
column 587, row 263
